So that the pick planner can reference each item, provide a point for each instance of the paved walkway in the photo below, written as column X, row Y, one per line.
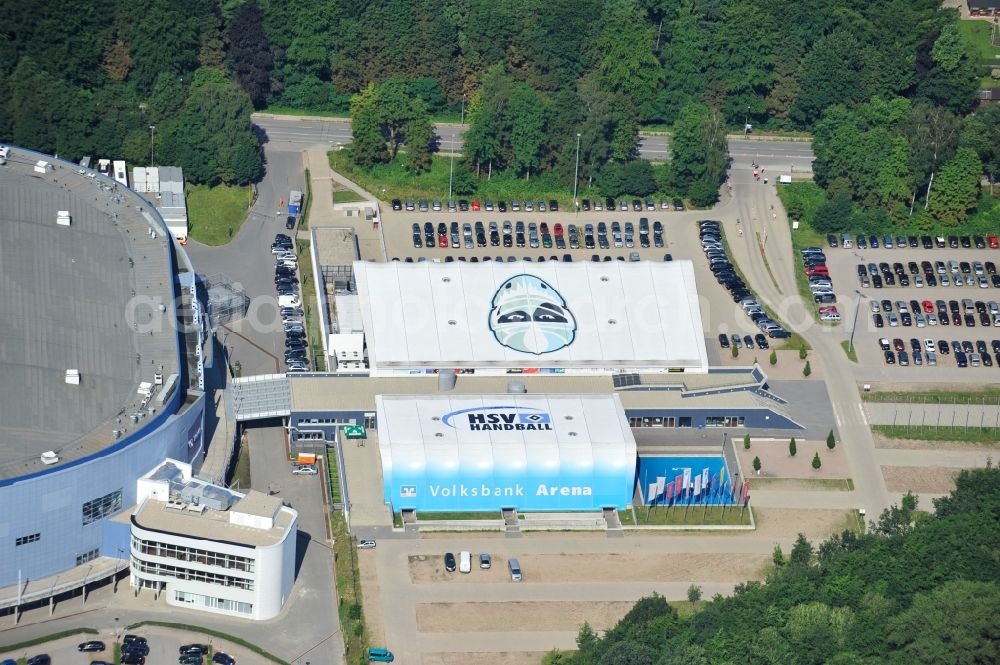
column 935, row 415
column 959, row 459
column 323, row 213
column 764, row 223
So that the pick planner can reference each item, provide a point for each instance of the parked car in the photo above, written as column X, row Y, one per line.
column 304, row 470
column 366, row 544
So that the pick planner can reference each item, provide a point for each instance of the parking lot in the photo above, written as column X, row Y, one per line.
column 679, row 239
column 164, row 645
column 921, row 300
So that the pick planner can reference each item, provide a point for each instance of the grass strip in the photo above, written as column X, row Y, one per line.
column 308, row 285
column 985, row 435
column 352, row 618
column 683, row 515
column 331, row 465
column 458, row 515
column 988, row 395
column 852, row 352
column 215, row 214
column 307, row 203
column 46, row 638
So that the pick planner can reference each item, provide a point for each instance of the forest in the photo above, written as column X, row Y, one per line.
column 916, row 589
column 888, row 87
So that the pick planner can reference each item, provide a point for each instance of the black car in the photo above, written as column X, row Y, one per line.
column 678, row 205
column 397, row 204
column 831, row 240
column 609, row 204
column 200, row 649
column 133, row 639
column 724, row 341
column 223, row 658
column 501, row 206
column 762, row 342
column 92, row 645
column 290, row 222
column 553, row 206
column 585, row 205
column 449, row 562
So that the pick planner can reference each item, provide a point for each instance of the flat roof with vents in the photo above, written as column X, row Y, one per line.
column 551, row 316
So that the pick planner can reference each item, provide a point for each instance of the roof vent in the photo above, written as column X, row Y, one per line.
column 49, row 457
column 516, row 388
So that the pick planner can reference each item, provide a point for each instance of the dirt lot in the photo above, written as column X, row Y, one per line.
column 569, row 568
column 919, row 479
column 816, row 524
column 518, row 616
column 484, row 658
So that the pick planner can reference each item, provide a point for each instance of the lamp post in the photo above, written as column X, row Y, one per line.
column 746, row 122
column 576, row 173
column 152, row 128
column 854, row 326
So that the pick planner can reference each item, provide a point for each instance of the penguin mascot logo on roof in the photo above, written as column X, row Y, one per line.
column 530, row 316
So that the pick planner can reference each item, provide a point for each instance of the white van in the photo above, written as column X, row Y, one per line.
column 289, row 301
column 845, row 241
column 4, row 154
column 465, row 562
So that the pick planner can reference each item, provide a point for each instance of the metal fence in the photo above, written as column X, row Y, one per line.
column 227, row 300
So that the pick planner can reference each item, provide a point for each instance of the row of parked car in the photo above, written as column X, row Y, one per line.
column 287, row 284
column 940, row 273
column 926, row 353
column 820, row 282
column 848, row 241
column 463, row 205
column 719, row 263
column 519, row 234
column 932, row 313
column 567, row 258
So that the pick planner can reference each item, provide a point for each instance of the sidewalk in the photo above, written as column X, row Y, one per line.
column 322, row 212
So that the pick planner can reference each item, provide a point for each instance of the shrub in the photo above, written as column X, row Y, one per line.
column 774, row 358
column 816, row 462
column 807, row 370
column 791, row 447
column 694, row 593
column 830, row 440
column 746, row 442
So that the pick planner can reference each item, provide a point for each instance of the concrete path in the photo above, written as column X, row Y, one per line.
column 959, row 459
column 766, row 234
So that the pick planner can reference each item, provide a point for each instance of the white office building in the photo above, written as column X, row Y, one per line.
column 207, row 548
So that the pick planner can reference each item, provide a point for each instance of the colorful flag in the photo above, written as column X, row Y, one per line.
column 660, row 480
column 722, row 476
column 652, row 494
column 704, row 478
column 670, row 493
column 697, row 485
column 715, row 484
column 732, row 490
column 687, row 479
column 678, row 486
column 746, row 492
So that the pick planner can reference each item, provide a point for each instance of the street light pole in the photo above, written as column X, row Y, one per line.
column 854, row 326
column 576, row 172
column 152, row 128
column 746, row 122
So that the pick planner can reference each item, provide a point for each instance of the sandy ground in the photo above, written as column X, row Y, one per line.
column 789, row 366
column 919, row 479
column 882, row 441
column 788, row 522
column 777, row 463
column 519, row 616
column 626, row 567
column 370, row 596
column 484, row 658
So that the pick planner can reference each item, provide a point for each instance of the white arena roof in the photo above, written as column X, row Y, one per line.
column 481, row 452
column 564, row 316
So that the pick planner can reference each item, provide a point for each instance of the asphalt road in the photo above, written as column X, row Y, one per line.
column 300, row 133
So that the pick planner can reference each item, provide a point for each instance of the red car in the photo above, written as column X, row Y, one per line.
column 475, row 206
column 818, row 270
column 994, row 243
column 928, row 307
column 442, row 241
column 829, row 309
column 557, row 229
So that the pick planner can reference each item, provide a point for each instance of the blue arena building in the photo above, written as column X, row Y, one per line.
column 100, row 370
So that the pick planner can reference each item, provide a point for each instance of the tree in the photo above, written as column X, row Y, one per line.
column 831, row 442
column 981, row 132
column 835, row 71
column 802, row 352
column 367, row 145
column 628, row 66
column 778, row 557
column 250, row 53
column 802, row 551
column 933, row 134
column 746, row 442
column 756, row 465
column 428, row 89
column 527, row 112
column 834, row 215
column 703, row 193
column 394, row 109
column 628, row 653
column 816, row 463
column 419, row 138
column 699, row 148
column 694, row 593
column 791, row 447
column 773, row 359
column 957, row 188
column 807, row 370
column 954, row 623
column 638, row 178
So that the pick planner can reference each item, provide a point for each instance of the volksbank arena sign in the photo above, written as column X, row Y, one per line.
column 487, row 452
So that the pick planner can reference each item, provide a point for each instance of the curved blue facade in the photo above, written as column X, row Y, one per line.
column 51, row 504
